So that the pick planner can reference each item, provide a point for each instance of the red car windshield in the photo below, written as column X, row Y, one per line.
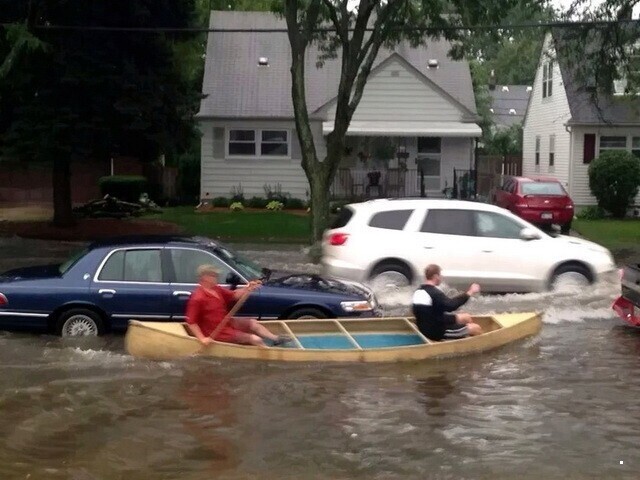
column 542, row 188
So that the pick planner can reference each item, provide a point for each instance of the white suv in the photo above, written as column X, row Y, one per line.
column 391, row 241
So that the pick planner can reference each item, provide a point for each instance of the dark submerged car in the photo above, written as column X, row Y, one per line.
column 151, row 278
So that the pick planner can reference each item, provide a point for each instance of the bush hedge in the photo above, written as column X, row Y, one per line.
column 614, row 178
column 124, row 187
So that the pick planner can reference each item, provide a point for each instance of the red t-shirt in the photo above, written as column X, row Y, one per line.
column 207, row 309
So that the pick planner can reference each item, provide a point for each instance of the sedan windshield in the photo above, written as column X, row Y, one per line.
column 246, row 267
column 542, row 188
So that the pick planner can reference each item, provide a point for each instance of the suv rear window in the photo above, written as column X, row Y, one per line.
column 391, row 220
column 344, row 215
column 449, row 222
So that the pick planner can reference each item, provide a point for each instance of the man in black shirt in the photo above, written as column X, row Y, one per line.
column 432, row 308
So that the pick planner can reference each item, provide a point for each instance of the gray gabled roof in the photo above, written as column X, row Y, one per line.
column 585, row 109
column 236, row 86
column 506, row 99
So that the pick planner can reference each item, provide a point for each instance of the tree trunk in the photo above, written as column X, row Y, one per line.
column 62, row 208
column 319, row 186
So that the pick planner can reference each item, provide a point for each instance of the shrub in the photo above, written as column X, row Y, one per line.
column 592, row 212
column 237, row 193
column 294, row 204
column 257, row 202
column 236, row 206
column 124, row 187
column 614, row 178
column 275, row 205
column 188, row 181
column 221, row 202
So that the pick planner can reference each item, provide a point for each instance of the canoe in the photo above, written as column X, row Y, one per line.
column 390, row 339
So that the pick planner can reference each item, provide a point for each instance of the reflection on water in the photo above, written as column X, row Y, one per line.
column 561, row 405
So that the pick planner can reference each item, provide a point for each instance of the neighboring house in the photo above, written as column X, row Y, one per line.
column 508, row 104
column 417, row 97
column 564, row 129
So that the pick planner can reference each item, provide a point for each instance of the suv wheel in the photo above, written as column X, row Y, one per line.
column 390, row 275
column 570, row 276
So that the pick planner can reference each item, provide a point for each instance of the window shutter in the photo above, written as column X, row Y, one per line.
column 218, row 143
column 589, row 152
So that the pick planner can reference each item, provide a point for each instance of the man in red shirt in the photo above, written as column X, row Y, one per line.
column 210, row 303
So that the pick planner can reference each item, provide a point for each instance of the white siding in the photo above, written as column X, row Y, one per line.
column 396, row 93
column 220, row 173
column 546, row 117
column 581, row 193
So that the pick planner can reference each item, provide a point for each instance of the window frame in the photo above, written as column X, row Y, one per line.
column 604, row 149
column 552, row 150
column 427, row 212
column 410, row 212
column 432, row 156
column 257, row 142
column 200, row 250
column 537, row 151
column 163, row 273
column 547, row 79
column 476, row 220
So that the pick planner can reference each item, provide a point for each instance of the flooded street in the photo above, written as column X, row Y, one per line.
column 563, row 405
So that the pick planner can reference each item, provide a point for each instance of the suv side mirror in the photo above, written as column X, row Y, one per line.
column 529, row 234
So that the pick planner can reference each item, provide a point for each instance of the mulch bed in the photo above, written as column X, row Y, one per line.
column 88, row 229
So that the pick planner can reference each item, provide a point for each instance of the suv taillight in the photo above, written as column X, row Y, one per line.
column 337, row 239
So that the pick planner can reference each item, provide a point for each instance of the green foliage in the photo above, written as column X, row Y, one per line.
column 257, row 202
column 189, row 177
column 221, row 202
column 614, row 178
column 124, row 187
column 275, row 205
column 505, row 141
column 592, row 212
column 236, row 206
column 295, row 204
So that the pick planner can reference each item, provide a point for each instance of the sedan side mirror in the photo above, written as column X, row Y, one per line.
column 233, row 280
column 529, row 234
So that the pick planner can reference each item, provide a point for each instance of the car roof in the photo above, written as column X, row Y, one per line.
column 123, row 240
column 383, row 204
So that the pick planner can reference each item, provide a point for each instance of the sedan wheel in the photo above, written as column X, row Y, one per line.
column 79, row 323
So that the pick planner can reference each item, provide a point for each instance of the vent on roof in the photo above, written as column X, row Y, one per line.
column 529, row 88
column 491, row 110
column 512, row 111
column 432, row 63
column 505, row 88
column 263, row 61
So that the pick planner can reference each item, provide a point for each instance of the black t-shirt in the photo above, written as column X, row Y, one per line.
column 430, row 306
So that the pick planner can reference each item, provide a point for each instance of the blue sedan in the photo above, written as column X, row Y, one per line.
column 151, row 278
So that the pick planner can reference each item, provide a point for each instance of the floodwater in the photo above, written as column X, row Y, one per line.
column 563, row 405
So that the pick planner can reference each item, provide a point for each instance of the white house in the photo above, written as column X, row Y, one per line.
column 417, row 97
column 564, row 129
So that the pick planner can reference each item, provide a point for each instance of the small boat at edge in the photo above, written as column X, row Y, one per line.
column 386, row 339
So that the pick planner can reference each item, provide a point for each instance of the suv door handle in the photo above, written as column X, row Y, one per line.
column 181, row 293
column 427, row 248
column 106, row 291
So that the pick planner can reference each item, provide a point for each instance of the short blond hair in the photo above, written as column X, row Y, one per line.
column 207, row 270
column 432, row 270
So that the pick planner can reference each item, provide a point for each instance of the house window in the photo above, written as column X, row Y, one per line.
column 552, row 150
column 275, row 143
column 547, row 79
column 537, row 150
column 258, row 143
column 429, row 161
column 635, row 146
column 242, row 142
column 613, row 143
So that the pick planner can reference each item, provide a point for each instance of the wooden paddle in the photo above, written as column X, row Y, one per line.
column 231, row 313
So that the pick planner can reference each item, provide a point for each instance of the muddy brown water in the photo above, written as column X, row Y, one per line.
column 561, row 405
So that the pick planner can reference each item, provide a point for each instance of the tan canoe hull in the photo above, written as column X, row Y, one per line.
column 168, row 341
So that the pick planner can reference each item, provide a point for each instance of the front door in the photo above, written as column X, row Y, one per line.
column 185, row 262
column 131, row 285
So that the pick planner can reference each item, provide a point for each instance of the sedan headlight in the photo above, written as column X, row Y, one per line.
column 358, row 306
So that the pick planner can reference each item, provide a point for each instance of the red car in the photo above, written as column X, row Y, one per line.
column 539, row 200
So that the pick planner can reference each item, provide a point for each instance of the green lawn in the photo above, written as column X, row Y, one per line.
column 265, row 226
column 616, row 235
